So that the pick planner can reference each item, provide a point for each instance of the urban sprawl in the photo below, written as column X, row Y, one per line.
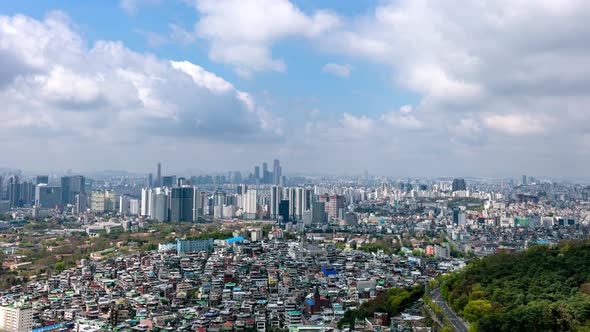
column 259, row 252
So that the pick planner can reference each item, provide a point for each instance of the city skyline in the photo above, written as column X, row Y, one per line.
column 401, row 88
column 294, row 165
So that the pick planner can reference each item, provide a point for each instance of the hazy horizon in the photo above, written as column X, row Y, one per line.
column 400, row 88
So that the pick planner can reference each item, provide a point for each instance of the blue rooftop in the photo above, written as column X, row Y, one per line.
column 235, row 239
column 49, row 328
column 329, row 270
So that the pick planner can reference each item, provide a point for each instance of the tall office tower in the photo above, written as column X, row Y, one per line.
column 168, row 181
column 276, row 194
column 42, row 179
column 265, row 173
column 182, row 182
column 307, row 199
column 458, row 184
column 124, row 205
column 134, row 206
column 159, row 205
column 283, row 213
column 302, row 201
column 256, row 174
column 242, row 189
column 145, row 201
column 102, row 201
column 70, row 187
column 12, row 187
column 201, row 204
column 159, row 176
column 456, row 212
column 250, row 204
column 524, row 182
column 81, row 203
column 150, row 180
column 197, row 204
column 47, row 197
column 97, row 201
column 26, row 194
column 334, row 205
column 210, row 205
column 110, row 201
column 276, row 172
column 182, row 204
column 237, row 177
column 318, row 213
column 65, row 189
column 292, row 198
column 219, row 198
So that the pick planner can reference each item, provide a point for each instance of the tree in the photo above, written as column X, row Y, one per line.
column 60, row 266
column 476, row 309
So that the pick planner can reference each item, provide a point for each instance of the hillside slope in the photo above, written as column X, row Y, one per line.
column 540, row 289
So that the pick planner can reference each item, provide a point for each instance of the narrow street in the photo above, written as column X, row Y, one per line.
column 456, row 322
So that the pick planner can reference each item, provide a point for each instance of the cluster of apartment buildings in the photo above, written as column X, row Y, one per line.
column 237, row 284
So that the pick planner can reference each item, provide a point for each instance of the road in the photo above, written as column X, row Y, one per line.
column 454, row 244
column 456, row 322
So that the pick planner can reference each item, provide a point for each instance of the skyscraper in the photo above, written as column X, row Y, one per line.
column 124, row 205
column 318, row 213
column 70, row 187
column 459, row 184
column 292, row 198
column 81, row 203
column 256, row 174
column 456, row 212
column 276, row 172
column 283, row 211
column 145, row 201
column 266, row 176
column 159, row 176
column 102, row 201
column 168, row 181
column 26, row 194
column 150, row 180
column 524, row 182
column 242, row 189
column 47, row 197
column 275, row 199
column 302, row 201
column 159, row 205
column 13, row 189
column 250, row 204
column 65, row 189
column 42, row 179
column 334, row 205
column 201, row 204
column 182, row 204
column 182, row 181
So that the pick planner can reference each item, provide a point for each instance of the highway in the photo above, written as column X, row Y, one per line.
column 456, row 322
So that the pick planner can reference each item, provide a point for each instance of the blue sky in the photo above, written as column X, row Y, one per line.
column 370, row 92
column 398, row 87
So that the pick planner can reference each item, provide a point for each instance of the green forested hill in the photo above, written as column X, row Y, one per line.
column 540, row 289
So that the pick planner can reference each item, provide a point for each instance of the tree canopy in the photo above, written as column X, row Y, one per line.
column 541, row 289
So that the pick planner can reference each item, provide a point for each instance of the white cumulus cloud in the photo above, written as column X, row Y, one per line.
column 59, row 89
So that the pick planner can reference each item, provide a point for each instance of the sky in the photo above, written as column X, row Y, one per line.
column 396, row 87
